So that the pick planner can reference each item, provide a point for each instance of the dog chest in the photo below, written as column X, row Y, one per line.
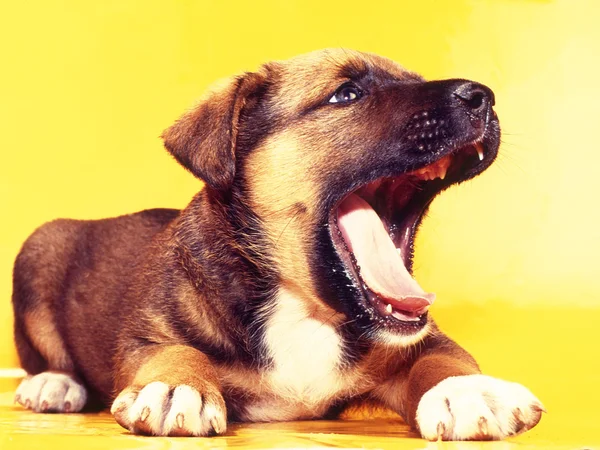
column 305, row 375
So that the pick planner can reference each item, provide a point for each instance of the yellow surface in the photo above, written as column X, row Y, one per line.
column 87, row 87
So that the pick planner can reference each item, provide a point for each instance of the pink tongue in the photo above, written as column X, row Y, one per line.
column 381, row 266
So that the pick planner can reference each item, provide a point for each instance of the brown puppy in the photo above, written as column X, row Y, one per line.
column 283, row 290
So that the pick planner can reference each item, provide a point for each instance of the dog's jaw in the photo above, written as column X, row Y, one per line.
column 395, row 206
column 373, row 230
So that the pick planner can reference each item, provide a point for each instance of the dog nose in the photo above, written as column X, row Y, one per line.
column 475, row 96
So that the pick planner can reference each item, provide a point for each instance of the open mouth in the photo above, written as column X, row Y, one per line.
column 375, row 227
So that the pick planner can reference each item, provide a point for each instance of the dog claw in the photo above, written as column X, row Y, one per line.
column 538, row 407
column 67, row 407
column 17, row 399
column 44, row 406
column 520, row 424
column 215, row 424
column 180, row 420
column 28, row 404
column 518, row 414
column 145, row 414
column 441, row 429
column 483, row 426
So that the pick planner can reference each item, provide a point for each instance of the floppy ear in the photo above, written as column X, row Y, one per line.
column 204, row 139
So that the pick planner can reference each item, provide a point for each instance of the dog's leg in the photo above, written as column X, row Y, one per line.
column 51, row 384
column 169, row 390
column 445, row 397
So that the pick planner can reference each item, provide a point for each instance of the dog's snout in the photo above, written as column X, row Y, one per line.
column 456, row 109
column 477, row 97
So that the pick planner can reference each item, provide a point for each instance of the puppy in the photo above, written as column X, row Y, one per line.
column 284, row 289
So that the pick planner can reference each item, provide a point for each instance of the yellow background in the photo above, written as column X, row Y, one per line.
column 87, row 87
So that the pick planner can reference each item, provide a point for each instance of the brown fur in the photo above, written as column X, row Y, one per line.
column 182, row 296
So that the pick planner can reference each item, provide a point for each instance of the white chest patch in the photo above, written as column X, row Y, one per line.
column 305, row 353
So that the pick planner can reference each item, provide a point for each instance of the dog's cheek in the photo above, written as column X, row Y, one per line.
column 282, row 194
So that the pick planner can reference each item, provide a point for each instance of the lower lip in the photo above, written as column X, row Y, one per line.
column 410, row 318
column 403, row 316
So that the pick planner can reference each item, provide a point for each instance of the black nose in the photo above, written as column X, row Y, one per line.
column 477, row 97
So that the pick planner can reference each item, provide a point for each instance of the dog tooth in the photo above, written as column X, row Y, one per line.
column 388, row 308
column 479, row 149
column 442, row 172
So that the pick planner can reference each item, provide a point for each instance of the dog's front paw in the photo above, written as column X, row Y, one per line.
column 477, row 407
column 162, row 410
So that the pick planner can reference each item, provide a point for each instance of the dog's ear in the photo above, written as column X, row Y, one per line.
column 204, row 139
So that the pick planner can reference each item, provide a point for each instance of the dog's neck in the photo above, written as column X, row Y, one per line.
column 222, row 259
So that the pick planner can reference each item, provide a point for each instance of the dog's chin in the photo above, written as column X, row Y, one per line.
column 373, row 229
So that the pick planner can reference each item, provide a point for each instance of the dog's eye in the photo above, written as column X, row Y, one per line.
column 346, row 93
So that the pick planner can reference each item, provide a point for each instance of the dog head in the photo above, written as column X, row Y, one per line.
column 338, row 154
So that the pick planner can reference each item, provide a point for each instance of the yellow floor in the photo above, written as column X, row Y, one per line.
column 553, row 352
